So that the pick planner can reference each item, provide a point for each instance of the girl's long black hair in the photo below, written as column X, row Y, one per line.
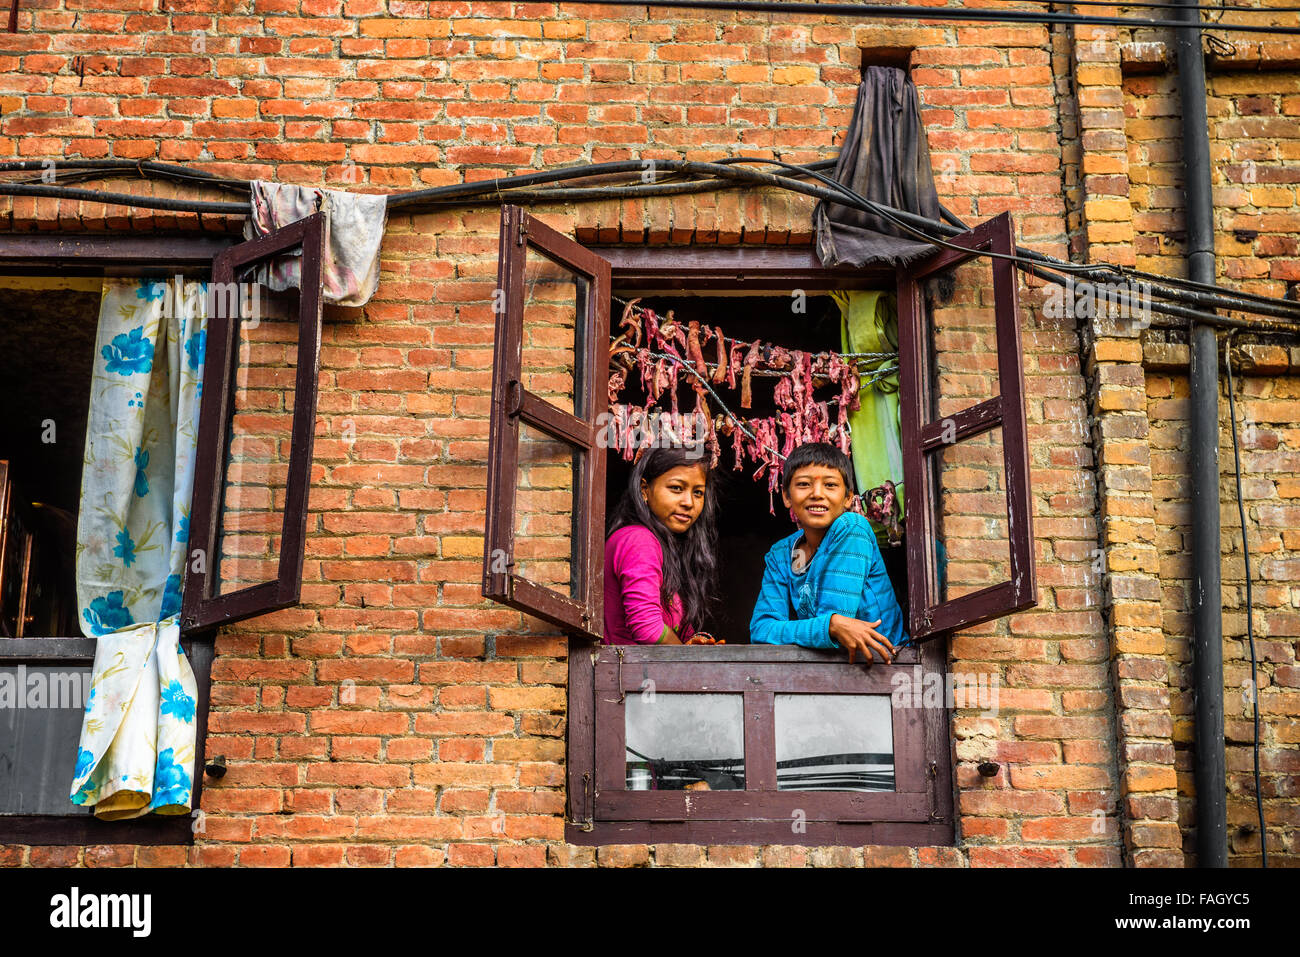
column 690, row 559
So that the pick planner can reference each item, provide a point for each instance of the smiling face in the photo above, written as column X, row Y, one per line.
column 817, row 495
column 676, row 498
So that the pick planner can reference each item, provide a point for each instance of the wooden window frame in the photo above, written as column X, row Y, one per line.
column 595, row 732
column 61, row 254
column 600, row 810
column 513, row 405
column 830, row 820
column 930, row 617
column 200, row 607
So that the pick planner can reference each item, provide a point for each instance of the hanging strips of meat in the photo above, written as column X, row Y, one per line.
column 720, row 371
column 659, row 383
column 800, row 416
column 842, row 432
column 823, row 426
column 784, row 394
column 694, row 354
column 746, row 379
column 791, row 439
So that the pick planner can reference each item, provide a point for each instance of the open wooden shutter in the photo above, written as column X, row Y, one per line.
column 248, row 519
column 544, row 547
column 970, row 539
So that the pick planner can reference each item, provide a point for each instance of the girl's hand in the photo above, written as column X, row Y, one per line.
column 703, row 638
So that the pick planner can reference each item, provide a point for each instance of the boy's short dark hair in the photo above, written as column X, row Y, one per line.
column 817, row 453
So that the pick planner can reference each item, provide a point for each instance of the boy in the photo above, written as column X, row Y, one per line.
column 825, row 586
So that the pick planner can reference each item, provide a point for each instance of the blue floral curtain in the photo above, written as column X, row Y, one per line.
column 137, row 748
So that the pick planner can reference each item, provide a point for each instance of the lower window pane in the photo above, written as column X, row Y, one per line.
column 41, row 709
column 260, row 440
column 546, row 551
column 685, row 742
column 834, row 743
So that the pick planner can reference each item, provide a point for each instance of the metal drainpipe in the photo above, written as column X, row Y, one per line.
column 1207, row 597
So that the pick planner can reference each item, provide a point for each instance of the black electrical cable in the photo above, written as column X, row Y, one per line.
column 124, row 199
column 898, row 217
column 1274, row 307
column 447, row 194
column 1106, row 272
column 843, row 195
column 1203, row 8
column 494, row 190
column 837, row 192
column 723, row 174
column 243, row 188
column 1250, row 603
column 1191, row 284
column 1132, row 305
column 125, row 164
column 959, row 14
column 81, row 170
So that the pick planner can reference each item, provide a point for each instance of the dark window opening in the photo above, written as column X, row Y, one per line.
column 750, row 520
column 898, row 57
column 256, row 372
column 46, row 354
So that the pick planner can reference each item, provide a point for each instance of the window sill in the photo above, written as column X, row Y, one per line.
column 909, row 655
column 57, row 830
column 915, row 812
column 47, row 649
column 760, row 833
column 79, row 827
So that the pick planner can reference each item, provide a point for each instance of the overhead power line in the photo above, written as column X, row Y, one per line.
column 959, row 14
column 1187, row 301
column 1152, row 5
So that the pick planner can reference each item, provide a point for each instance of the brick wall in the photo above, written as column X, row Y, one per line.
column 1254, row 115
column 395, row 718
column 1266, row 415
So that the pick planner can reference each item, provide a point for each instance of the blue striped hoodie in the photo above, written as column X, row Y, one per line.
column 846, row 576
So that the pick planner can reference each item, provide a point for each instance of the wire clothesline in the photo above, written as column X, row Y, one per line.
column 717, row 398
column 763, row 434
column 642, row 315
column 726, row 410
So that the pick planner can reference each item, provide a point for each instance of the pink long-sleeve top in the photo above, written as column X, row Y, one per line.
column 634, row 614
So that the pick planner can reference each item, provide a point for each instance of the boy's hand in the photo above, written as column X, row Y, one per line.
column 860, row 636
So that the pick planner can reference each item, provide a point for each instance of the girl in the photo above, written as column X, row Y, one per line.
column 661, row 559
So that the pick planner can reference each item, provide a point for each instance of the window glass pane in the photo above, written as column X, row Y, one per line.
column 685, row 741
column 834, row 743
column 40, row 725
column 972, row 539
column 554, row 297
column 958, row 314
column 14, row 569
column 546, row 497
column 260, row 438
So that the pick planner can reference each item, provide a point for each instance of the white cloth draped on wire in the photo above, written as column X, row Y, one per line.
column 354, row 230
column 138, row 745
